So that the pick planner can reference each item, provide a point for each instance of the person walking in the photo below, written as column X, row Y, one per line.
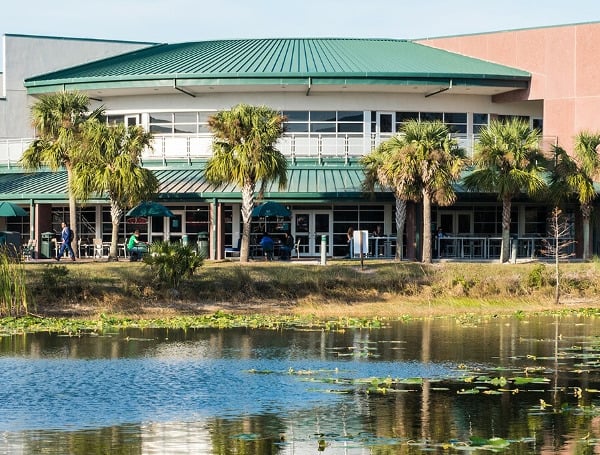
column 66, row 236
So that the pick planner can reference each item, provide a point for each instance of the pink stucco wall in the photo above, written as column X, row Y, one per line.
column 563, row 61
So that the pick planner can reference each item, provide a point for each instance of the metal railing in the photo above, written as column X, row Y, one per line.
column 322, row 145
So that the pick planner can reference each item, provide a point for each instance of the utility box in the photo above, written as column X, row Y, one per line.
column 203, row 244
column 46, row 245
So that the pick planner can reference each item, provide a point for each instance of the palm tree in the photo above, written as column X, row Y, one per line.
column 507, row 162
column 58, row 120
column 574, row 176
column 420, row 163
column 377, row 172
column 111, row 166
column 244, row 153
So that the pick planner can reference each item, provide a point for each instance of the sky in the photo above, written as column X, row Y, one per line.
column 173, row 21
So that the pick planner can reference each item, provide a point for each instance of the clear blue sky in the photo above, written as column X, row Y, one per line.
column 172, row 21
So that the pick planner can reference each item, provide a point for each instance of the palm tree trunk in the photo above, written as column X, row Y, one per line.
column 72, row 209
column 247, row 206
column 115, row 214
column 426, row 228
column 505, row 248
column 400, row 222
column 586, row 211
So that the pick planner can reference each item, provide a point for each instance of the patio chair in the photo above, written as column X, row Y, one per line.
column 28, row 250
column 234, row 251
column 98, row 248
column 297, row 248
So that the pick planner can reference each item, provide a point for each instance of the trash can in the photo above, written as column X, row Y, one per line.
column 46, row 246
column 203, row 244
column 184, row 240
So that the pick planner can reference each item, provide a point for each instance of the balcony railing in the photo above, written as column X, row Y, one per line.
column 191, row 148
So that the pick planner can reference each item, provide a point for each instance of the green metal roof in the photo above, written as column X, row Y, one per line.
column 308, row 182
column 264, row 61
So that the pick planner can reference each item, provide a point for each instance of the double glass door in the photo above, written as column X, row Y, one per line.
column 309, row 227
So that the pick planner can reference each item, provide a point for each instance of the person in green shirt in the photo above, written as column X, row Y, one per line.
column 134, row 246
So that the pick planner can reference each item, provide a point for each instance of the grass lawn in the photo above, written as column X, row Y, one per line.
column 342, row 288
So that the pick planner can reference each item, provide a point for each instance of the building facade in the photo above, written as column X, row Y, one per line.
column 341, row 98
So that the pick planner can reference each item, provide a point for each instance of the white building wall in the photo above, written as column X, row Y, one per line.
column 322, row 101
column 26, row 56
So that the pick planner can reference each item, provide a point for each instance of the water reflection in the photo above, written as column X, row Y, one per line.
column 527, row 386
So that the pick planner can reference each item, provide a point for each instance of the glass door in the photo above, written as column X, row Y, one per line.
column 386, row 122
column 308, row 227
column 175, row 226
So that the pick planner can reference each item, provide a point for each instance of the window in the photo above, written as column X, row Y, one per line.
column 188, row 123
column 456, row 121
column 324, row 122
column 480, row 121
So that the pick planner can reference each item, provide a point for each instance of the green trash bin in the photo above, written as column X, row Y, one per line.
column 203, row 244
column 46, row 246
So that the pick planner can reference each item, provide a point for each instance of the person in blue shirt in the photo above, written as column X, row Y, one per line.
column 66, row 236
column 266, row 243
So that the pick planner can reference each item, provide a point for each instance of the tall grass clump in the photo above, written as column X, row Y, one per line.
column 172, row 262
column 13, row 290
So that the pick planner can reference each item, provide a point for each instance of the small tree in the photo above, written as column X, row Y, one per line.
column 559, row 230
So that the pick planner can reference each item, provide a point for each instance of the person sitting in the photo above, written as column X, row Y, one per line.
column 441, row 243
column 135, row 246
column 267, row 245
column 287, row 247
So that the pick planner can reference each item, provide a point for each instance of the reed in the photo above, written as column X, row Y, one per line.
column 13, row 288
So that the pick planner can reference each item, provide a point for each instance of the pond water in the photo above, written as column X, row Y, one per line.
column 516, row 385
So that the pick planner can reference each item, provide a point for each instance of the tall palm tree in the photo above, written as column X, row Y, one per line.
column 377, row 172
column 244, row 153
column 420, row 163
column 508, row 161
column 58, row 119
column 574, row 176
column 111, row 167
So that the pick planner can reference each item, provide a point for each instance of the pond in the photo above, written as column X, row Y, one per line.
column 448, row 385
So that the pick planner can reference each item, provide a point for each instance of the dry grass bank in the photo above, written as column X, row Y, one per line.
column 342, row 288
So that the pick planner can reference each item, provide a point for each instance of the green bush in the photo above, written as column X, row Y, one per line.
column 172, row 262
column 536, row 278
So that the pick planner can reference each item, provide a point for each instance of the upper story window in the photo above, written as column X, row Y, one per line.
column 324, row 122
column 456, row 121
column 178, row 122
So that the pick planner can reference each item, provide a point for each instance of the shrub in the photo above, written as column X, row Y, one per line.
column 172, row 262
column 537, row 277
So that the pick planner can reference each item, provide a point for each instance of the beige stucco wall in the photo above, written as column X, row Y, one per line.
column 563, row 63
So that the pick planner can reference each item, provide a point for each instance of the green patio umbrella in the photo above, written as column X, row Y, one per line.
column 10, row 209
column 150, row 208
column 271, row 208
